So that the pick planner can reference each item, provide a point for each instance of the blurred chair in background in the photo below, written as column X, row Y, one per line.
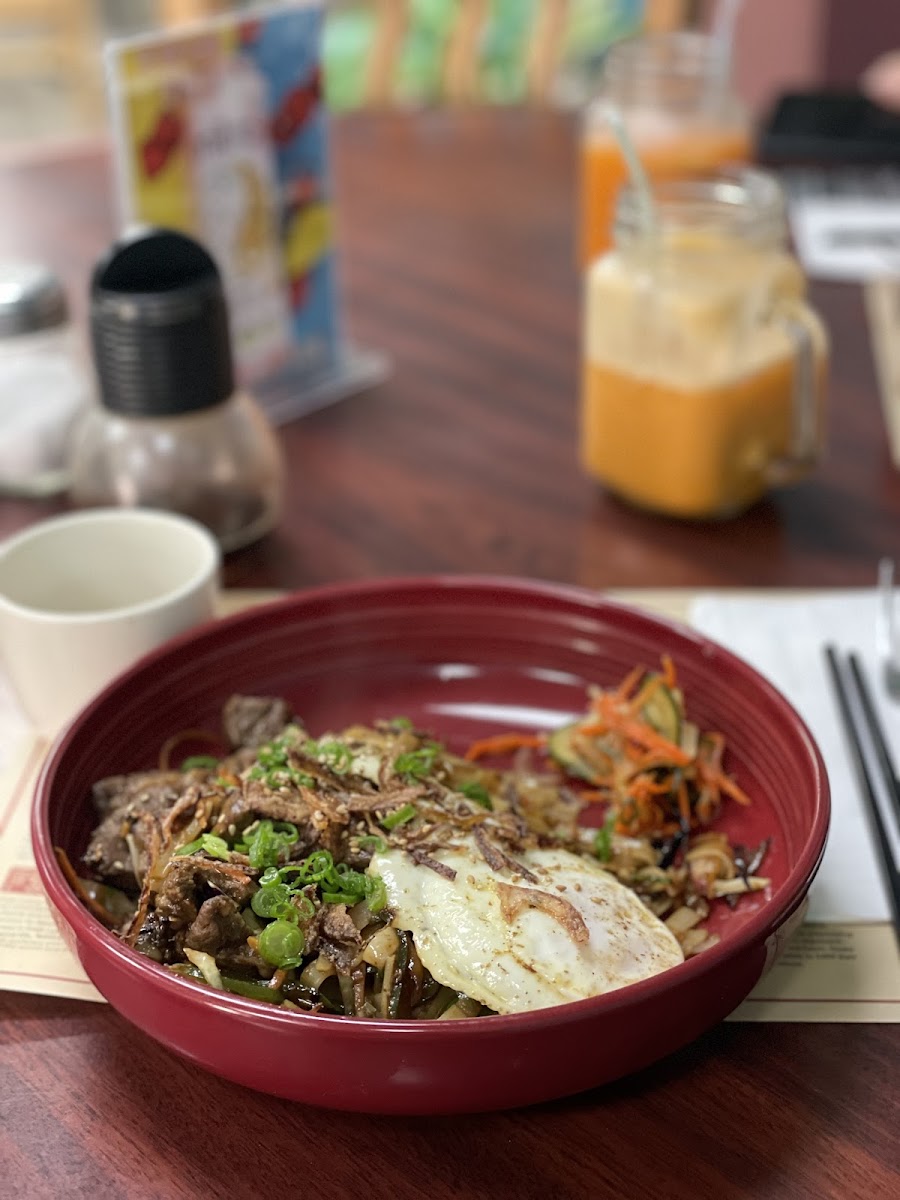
column 392, row 19
column 385, row 52
column 377, row 53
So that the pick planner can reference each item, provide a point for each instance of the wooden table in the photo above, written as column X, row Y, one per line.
column 459, row 263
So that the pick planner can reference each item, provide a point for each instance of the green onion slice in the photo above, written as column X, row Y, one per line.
column 210, row 844
column 603, row 838
column 339, row 898
column 336, row 755
column 253, row 990
column 399, row 817
column 270, row 841
column 273, row 902
column 373, row 842
column 475, row 791
column 418, row 763
column 281, row 944
column 273, row 765
column 200, row 762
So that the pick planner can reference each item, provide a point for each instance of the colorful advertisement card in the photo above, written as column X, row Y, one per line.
column 221, row 132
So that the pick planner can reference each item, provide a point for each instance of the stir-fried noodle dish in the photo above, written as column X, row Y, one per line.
column 370, row 872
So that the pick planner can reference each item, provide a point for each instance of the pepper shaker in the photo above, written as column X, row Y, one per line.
column 171, row 430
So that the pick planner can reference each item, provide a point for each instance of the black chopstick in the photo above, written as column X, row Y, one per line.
column 879, row 741
column 891, row 874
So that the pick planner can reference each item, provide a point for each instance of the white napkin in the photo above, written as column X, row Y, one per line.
column 784, row 640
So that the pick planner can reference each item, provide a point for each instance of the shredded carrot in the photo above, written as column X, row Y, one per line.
column 92, row 905
column 633, row 677
column 503, row 743
column 595, row 796
column 646, row 793
column 636, row 731
column 670, row 679
column 652, row 761
column 648, row 737
column 643, row 792
column 725, row 784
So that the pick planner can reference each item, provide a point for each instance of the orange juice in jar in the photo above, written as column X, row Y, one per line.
column 704, row 367
column 680, row 114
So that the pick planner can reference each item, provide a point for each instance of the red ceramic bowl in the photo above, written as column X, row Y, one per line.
column 465, row 657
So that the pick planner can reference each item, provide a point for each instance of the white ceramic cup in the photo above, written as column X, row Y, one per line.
column 83, row 596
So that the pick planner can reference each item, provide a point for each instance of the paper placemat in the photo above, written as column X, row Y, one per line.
column 847, row 971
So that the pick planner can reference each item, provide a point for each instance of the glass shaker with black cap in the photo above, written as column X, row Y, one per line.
column 171, row 430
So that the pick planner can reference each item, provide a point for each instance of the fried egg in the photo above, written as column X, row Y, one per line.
column 565, row 930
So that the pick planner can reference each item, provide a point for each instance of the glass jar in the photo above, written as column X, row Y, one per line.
column 43, row 382
column 169, row 430
column 220, row 466
column 680, row 111
column 704, row 367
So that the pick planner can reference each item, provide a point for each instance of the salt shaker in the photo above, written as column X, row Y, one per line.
column 44, row 383
column 171, row 430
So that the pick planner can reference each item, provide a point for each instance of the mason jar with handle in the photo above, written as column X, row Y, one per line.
column 675, row 96
column 704, row 366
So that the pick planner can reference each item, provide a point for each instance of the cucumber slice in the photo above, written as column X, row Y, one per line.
column 663, row 712
column 560, row 745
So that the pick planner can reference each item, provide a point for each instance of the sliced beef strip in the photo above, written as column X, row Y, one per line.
column 119, row 791
column 256, row 801
column 259, row 800
column 154, row 939
column 180, row 896
column 107, row 855
column 254, row 720
column 337, row 924
column 342, row 956
column 218, row 924
column 386, row 800
column 336, row 936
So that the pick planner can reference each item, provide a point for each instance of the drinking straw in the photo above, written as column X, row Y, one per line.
column 637, row 175
column 722, row 38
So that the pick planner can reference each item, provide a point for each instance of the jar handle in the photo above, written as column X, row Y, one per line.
column 807, row 336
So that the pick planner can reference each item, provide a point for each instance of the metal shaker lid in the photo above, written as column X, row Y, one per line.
column 31, row 298
column 159, row 326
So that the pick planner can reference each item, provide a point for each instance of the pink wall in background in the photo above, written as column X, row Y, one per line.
column 783, row 44
column 779, row 45
column 858, row 31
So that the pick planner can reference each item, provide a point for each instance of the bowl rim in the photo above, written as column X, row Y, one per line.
column 771, row 915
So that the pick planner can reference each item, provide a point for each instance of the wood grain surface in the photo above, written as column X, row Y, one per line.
column 459, row 262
